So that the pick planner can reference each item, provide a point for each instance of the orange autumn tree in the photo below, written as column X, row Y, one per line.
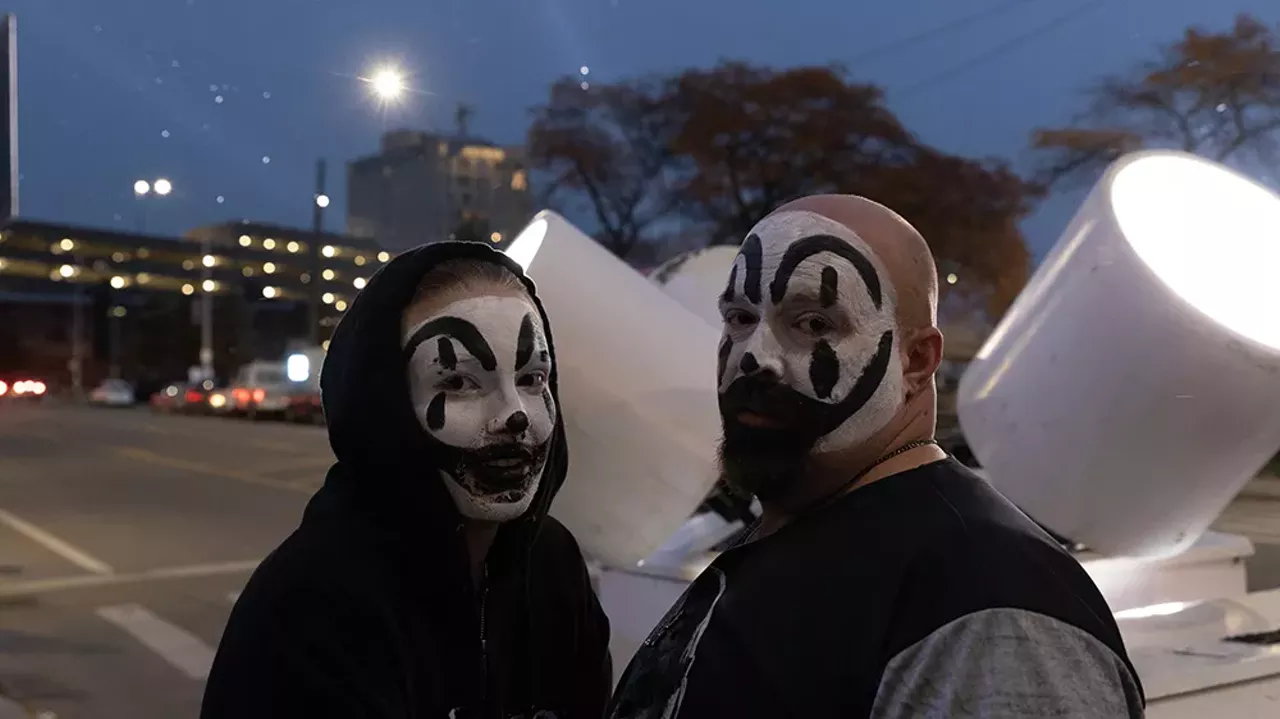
column 1216, row 94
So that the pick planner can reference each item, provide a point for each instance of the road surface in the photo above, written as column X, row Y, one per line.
column 125, row 536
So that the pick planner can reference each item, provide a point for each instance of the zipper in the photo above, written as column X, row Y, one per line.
column 484, row 639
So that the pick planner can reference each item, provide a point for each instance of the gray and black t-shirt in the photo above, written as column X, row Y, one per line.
column 926, row 594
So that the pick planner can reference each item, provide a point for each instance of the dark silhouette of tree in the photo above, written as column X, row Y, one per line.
column 756, row 137
column 717, row 149
column 1216, row 94
column 611, row 143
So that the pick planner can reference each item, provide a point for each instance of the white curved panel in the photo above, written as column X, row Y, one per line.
column 1134, row 386
column 637, row 389
column 696, row 279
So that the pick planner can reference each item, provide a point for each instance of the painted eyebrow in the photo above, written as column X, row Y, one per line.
column 803, row 249
column 458, row 329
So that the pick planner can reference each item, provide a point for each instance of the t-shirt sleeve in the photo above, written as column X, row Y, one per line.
column 1005, row 663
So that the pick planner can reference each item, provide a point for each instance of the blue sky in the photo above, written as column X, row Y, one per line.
column 201, row 91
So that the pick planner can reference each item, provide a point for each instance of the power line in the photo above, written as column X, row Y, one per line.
column 943, row 29
column 1001, row 49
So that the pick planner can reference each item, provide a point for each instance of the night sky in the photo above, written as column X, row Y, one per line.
column 236, row 99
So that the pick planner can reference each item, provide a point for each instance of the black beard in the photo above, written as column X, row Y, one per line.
column 767, row 462
column 763, row 462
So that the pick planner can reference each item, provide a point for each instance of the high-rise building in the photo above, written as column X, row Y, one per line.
column 424, row 187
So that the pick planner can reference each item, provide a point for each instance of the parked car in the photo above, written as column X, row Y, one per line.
column 261, row 389
column 113, row 393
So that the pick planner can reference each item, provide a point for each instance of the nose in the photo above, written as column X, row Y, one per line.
column 517, row 422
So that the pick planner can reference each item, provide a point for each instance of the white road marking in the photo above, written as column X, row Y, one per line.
column 184, row 650
column 59, row 547
column 37, row 586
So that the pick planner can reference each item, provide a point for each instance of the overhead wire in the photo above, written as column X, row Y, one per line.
column 944, row 29
column 998, row 50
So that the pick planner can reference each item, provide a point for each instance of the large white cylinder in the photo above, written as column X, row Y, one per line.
column 1134, row 386
column 637, row 391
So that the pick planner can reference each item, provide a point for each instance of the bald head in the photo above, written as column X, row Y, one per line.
column 905, row 254
column 829, row 345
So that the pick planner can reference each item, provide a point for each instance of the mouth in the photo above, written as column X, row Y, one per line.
column 757, row 420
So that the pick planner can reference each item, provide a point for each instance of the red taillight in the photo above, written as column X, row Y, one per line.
column 241, row 395
column 193, row 397
column 259, row 395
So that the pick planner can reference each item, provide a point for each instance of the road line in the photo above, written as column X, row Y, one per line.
column 39, row 586
column 143, row 455
column 184, row 650
column 63, row 549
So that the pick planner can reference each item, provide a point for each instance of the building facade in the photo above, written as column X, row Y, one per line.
column 423, row 187
column 133, row 302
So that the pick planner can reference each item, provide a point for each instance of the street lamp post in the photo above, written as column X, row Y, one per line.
column 319, row 202
column 161, row 187
column 207, row 287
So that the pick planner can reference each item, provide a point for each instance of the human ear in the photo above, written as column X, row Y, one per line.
column 921, row 356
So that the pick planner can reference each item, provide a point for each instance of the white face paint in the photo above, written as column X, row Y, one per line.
column 809, row 303
column 478, row 372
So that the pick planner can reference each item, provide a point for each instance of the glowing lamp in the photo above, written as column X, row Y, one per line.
column 637, row 391
column 298, row 368
column 1134, row 386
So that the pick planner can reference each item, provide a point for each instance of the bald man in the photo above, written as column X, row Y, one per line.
column 883, row 579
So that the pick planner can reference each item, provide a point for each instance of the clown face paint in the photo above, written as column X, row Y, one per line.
column 808, row 359
column 478, row 372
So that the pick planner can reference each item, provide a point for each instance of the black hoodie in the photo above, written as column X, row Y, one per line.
column 368, row 610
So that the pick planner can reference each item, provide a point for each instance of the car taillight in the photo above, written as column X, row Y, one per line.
column 241, row 395
column 259, row 395
column 193, row 397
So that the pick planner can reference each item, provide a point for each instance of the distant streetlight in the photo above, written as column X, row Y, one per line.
column 269, row 292
column 163, row 187
column 952, row 279
column 322, row 201
column 141, row 187
column 387, row 83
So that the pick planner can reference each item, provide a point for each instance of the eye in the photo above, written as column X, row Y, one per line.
column 457, row 383
column 735, row 317
column 533, row 380
column 814, row 324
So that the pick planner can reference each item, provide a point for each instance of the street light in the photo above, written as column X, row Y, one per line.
column 387, row 84
column 322, row 201
column 141, row 187
column 163, row 187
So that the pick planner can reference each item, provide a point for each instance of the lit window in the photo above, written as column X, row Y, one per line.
column 328, row 298
column 269, row 244
column 328, row 274
column 329, row 251
column 245, row 240
column 519, row 182
column 188, row 289
column 269, row 267
column 292, row 246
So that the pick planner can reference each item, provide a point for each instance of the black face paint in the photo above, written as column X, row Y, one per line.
column 448, row 358
column 824, row 369
column 435, row 412
column 524, row 343
column 805, row 248
column 799, row 413
column 460, row 330
column 752, row 255
column 722, row 358
column 827, row 292
column 748, row 363
column 729, row 292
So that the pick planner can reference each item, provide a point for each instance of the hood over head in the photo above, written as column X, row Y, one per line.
column 386, row 463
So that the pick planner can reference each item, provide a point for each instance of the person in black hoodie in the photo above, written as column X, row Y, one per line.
column 426, row 579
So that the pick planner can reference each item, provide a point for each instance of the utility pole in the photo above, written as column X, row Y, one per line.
column 318, row 202
column 77, row 337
